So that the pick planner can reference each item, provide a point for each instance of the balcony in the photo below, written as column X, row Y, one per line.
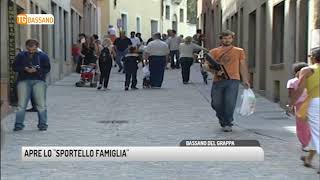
column 177, row 2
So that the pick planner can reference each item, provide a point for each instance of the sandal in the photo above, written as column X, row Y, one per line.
column 305, row 163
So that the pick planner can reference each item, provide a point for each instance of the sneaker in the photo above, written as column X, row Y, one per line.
column 43, row 129
column 227, row 129
column 126, row 88
column 305, row 149
column 185, row 82
column 99, row 87
column 17, row 129
column 134, row 88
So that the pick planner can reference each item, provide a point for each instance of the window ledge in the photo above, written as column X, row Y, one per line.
column 279, row 66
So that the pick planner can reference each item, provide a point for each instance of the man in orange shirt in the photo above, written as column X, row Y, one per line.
column 224, row 92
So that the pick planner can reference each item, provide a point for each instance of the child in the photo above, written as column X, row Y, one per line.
column 295, row 102
column 131, row 66
column 146, row 75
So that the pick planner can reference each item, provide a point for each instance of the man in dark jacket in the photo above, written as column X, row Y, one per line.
column 32, row 67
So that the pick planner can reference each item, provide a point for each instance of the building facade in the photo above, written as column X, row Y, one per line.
column 274, row 33
column 144, row 16
column 71, row 17
column 140, row 16
column 174, row 16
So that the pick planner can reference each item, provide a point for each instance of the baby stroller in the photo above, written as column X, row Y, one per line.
column 88, row 75
column 201, row 61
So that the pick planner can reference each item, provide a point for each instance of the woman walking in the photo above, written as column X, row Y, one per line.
column 295, row 102
column 105, row 63
column 309, row 79
column 89, row 51
column 186, row 50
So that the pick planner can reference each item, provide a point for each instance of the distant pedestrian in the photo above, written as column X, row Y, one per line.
column 309, row 79
column 88, row 51
column 81, row 41
column 121, row 46
column 149, row 40
column 32, row 67
column 181, row 38
column 157, row 52
column 138, row 35
column 131, row 66
column 224, row 92
column 174, row 43
column 164, row 37
column 135, row 40
column 295, row 102
column 141, row 47
column 105, row 64
column 186, row 50
column 198, row 38
column 112, row 33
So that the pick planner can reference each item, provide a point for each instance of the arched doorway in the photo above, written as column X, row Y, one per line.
column 175, row 22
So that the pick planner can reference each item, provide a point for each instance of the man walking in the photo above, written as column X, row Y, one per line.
column 134, row 40
column 32, row 66
column 157, row 52
column 174, row 43
column 198, row 38
column 121, row 46
column 224, row 92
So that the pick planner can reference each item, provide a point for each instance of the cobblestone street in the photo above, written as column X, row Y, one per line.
column 157, row 117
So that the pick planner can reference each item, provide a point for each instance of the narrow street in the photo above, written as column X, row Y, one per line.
column 149, row 117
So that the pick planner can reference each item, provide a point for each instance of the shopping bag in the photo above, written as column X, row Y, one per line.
column 146, row 71
column 248, row 103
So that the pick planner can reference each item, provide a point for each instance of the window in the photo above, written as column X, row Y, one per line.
column 124, row 22
column 154, row 26
column 138, row 24
column 192, row 11
column 181, row 15
column 278, row 33
column 168, row 12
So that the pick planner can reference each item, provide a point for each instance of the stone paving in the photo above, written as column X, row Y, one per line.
column 158, row 117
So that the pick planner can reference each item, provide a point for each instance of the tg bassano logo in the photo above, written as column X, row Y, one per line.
column 26, row 19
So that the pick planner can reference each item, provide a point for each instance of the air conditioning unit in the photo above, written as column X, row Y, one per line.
column 176, row 2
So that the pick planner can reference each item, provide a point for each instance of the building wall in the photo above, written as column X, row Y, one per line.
column 147, row 10
column 257, row 31
column 184, row 27
column 103, row 12
column 55, row 40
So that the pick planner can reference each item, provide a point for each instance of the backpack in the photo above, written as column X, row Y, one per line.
column 105, row 55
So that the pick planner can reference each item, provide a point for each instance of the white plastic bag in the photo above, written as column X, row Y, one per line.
column 248, row 103
column 146, row 71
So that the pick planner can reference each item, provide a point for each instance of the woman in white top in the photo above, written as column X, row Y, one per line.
column 186, row 51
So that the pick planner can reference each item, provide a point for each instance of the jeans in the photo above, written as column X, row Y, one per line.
column 119, row 56
column 174, row 53
column 26, row 89
column 186, row 63
column 157, row 65
column 224, row 95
